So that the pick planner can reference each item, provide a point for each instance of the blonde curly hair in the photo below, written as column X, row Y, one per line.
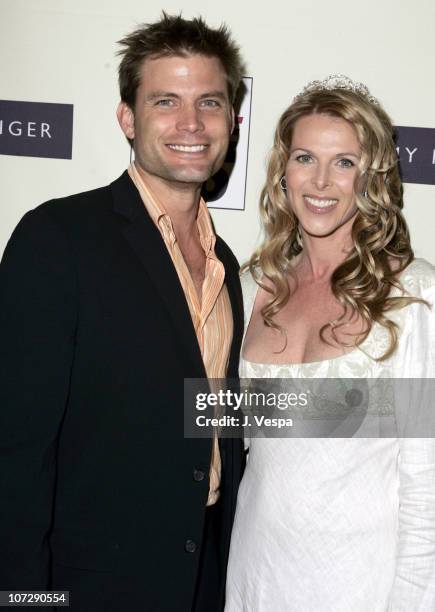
column 363, row 282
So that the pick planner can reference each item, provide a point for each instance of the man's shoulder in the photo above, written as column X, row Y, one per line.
column 84, row 203
column 79, row 216
column 84, row 211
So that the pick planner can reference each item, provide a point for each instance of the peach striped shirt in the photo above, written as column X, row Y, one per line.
column 212, row 315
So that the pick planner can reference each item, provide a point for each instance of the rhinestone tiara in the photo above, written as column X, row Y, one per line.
column 338, row 81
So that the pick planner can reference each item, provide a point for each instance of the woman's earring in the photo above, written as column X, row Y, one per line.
column 283, row 183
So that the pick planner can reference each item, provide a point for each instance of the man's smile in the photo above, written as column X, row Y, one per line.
column 188, row 148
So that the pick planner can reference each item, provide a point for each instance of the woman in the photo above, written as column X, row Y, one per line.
column 336, row 525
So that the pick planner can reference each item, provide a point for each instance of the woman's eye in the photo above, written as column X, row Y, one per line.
column 304, row 159
column 346, row 163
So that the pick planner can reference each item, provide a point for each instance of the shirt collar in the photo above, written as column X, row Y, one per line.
column 163, row 221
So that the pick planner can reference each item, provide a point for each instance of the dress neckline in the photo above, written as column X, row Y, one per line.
column 299, row 364
column 357, row 350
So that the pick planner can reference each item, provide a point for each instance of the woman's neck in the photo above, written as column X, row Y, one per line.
column 322, row 255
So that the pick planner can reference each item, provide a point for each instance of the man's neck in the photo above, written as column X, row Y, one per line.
column 180, row 201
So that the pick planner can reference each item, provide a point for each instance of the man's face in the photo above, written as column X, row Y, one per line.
column 182, row 119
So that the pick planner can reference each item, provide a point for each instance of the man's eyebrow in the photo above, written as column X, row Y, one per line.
column 154, row 95
column 161, row 94
column 214, row 94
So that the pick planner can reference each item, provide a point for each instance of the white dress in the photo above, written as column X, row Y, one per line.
column 341, row 525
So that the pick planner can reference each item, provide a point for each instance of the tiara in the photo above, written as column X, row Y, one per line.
column 338, row 81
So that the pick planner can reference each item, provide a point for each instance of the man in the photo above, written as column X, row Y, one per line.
column 109, row 299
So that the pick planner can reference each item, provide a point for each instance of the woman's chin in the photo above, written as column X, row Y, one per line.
column 324, row 227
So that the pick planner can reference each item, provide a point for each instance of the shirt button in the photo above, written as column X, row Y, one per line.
column 190, row 546
column 198, row 475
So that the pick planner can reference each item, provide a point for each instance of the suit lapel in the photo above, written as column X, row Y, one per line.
column 235, row 293
column 146, row 241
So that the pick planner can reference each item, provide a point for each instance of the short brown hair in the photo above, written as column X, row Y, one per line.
column 173, row 35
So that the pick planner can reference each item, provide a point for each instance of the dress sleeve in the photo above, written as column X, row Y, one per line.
column 414, row 583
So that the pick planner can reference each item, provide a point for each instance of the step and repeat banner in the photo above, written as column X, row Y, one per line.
column 58, row 97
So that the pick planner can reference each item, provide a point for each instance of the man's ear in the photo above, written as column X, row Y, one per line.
column 126, row 119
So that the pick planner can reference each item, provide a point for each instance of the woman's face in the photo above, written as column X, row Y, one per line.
column 321, row 173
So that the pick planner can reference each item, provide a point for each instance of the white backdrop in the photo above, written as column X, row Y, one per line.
column 64, row 51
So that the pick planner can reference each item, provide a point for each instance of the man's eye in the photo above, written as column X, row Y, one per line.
column 210, row 103
column 346, row 163
column 164, row 102
column 304, row 159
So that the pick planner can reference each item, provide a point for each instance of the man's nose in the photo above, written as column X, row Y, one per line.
column 189, row 119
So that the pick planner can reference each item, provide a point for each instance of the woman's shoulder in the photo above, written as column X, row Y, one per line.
column 249, row 290
column 418, row 279
column 248, row 282
column 415, row 356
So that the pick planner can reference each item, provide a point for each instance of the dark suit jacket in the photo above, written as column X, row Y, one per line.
column 99, row 489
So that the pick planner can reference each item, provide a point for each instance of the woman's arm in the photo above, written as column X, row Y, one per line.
column 414, row 584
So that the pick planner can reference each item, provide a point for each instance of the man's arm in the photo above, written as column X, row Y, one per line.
column 38, row 314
